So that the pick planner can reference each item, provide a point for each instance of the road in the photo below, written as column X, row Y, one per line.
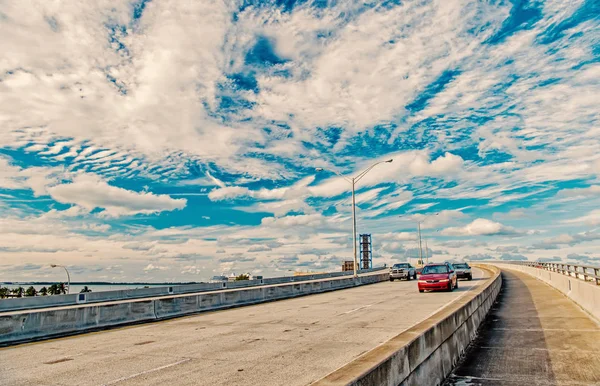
column 288, row 342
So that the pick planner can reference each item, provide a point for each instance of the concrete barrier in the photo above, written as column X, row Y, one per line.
column 426, row 353
column 27, row 303
column 24, row 326
column 584, row 293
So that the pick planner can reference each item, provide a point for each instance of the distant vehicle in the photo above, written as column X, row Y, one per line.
column 402, row 271
column 420, row 265
column 463, row 271
column 219, row 279
column 439, row 276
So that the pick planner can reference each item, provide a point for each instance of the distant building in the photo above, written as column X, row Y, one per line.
column 348, row 265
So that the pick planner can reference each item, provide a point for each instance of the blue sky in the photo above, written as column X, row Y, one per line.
column 167, row 140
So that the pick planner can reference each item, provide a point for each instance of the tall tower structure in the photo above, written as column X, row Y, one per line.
column 366, row 252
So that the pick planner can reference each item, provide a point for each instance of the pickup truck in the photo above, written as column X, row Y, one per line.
column 402, row 271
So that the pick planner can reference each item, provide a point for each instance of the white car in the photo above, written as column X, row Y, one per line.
column 463, row 271
column 402, row 271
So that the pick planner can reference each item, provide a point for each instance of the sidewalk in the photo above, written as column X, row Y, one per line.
column 533, row 335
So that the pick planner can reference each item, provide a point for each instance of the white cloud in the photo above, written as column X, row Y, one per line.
column 312, row 220
column 229, row 192
column 152, row 267
column 9, row 175
column 593, row 190
column 91, row 192
column 592, row 218
column 480, row 227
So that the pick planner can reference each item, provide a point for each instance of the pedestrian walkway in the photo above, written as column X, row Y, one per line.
column 533, row 335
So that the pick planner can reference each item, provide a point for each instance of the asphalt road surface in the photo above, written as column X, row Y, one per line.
column 287, row 342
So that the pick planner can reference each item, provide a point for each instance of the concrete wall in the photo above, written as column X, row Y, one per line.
column 23, row 326
column 585, row 294
column 27, row 303
column 426, row 353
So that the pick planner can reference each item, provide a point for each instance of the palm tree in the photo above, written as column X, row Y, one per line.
column 4, row 292
column 62, row 288
column 43, row 291
column 30, row 291
column 242, row 277
column 18, row 292
column 85, row 289
column 53, row 290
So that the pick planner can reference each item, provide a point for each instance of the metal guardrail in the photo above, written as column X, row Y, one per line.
column 582, row 272
column 27, row 303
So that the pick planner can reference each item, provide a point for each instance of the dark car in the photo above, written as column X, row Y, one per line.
column 463, row 271
column 402, row 271
column 440, row 276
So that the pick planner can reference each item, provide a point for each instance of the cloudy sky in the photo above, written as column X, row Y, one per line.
column 175, row 140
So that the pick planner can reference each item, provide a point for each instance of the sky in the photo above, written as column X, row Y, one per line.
column 176, row 140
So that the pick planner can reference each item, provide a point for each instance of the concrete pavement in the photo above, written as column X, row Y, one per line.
column 288, row 342
column 533, row 336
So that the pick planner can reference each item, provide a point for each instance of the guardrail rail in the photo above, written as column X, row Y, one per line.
column 582, row 272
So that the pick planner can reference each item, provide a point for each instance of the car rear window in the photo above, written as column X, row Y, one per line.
column 434, row 269
column 461, row 266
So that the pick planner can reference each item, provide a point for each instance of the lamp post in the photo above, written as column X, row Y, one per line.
column 419, row 222
column 68, row 276
column 353, row 181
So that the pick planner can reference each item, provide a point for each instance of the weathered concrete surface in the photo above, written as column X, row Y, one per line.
column 534, row 335
column 28, row 303
column 289, row 342
column 24, row 326
column 426, row 353
column 585, row 294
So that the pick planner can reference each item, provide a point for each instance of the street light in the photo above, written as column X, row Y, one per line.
column 419, row 222
column 68, row 276
column 353, row 181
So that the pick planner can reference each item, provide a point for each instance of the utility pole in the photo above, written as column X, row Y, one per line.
column 420, row 246
column 353, row 181
column 354, row 227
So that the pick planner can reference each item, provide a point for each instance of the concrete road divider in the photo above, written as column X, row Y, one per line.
column 426, row 353
column 30, row 325
column 28, row 303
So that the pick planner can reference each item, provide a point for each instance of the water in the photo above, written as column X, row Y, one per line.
column 75, row 288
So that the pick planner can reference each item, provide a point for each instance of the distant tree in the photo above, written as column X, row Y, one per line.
column 30, row 291
column 85, row 289
column 4, row 292
column 241, row 277
column 62, row 288
column 18, row 292
column 53, row 289
column 43, row 291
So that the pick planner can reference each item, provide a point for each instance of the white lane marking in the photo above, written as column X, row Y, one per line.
column 146, row 372
column 356, row 309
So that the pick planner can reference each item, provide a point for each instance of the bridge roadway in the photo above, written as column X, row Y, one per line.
column 534, row 335
column 288, row 342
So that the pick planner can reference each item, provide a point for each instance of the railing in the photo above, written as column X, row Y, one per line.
column 581, row 272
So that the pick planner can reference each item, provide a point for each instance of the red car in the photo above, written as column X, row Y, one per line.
column 437, row 277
